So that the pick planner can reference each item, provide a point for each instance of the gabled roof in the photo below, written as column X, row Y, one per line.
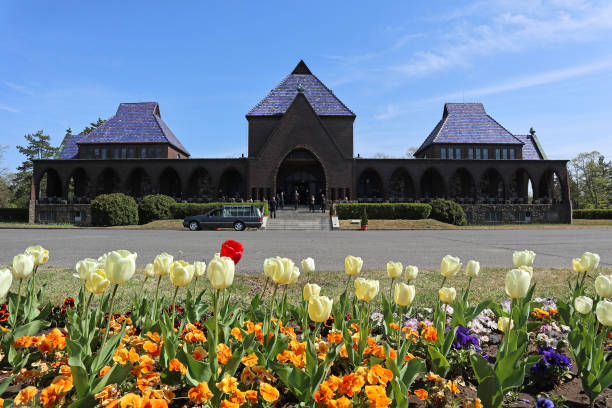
column 321, row 98
column 134, row 123
column 468, row 123
column 531, row 149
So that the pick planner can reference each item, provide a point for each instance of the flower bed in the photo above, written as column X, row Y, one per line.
column 198, row 348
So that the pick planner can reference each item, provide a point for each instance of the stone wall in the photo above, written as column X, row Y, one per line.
column 79, row 214
column 516, row 213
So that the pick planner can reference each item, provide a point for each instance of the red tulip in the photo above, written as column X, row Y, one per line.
column 232, row 249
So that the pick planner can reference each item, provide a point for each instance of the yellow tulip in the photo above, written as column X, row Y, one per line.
column 604, row 312
column 220, row 272
column 411, row 272
column 517, row 283
column 587, row 263
column 472, row 269
column 295, row 274
column 394, row 269
column 308, row 265
column 181, row 273
column 319, row 308
column 162, row 264
column 40, row 254
column 447, row 295
column 603, row 286
column 450, row 266
column 149, row 271
column 404, row 294
column 6, row 279
column 503, row 323
column 23, row 265
column 366, row 289
column 583, row 304
column 96, row 282
column 310, row 290
column 523, row 258
column 120, row 266
column 273, row 267
column 352, row 265
column 85, row 267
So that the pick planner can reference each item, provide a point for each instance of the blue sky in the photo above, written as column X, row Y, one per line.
column 546, row 64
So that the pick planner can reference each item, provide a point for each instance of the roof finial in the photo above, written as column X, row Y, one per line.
column 300, row 88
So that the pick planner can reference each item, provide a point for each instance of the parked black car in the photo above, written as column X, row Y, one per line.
column 238, row 217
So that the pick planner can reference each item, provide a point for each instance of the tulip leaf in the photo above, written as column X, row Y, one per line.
column 197, row 371
column 490, row 393
column 411, row 371
column 439, row 363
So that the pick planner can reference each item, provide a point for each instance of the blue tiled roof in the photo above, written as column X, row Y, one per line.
column 69, row 148
column 468, row 123
column 531, row 149
column 322, row 99
column 134, row 123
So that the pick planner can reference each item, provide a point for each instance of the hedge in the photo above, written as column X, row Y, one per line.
column 14, row 214
column 182, row 210
column 384, row 211
column 601, row 214
column 447, row 211
column 114, row 209
column 155, row 207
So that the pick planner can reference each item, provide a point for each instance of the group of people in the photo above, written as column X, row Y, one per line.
column 279, row 203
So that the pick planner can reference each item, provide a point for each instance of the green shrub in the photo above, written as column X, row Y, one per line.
column 182, row 210
column 601, row 214
column 14, row 214
column 364, row 217
column 114, row 209
column 384, row 211
column 447, row 211
column 155, row 207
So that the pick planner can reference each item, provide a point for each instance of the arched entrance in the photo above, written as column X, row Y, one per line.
column 170, row 183
column 300, row 171
column 231, row 186
column 370, row 186
column 139, row 183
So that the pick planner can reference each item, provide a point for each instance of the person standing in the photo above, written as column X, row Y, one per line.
column 282, row 200
column 323, row 203
column 296, row 197
column 312, row 203
column 273, row 206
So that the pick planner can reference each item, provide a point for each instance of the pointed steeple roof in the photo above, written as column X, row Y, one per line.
column 301, row 80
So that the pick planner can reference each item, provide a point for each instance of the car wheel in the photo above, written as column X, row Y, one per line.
column 194, row 226
column 239, row 226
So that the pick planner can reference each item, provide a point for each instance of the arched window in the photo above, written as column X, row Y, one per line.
column 432, row 185
column 401, row 188
column 370, row 186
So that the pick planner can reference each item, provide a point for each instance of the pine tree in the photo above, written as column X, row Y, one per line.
column 38, row 147
column 92, row 126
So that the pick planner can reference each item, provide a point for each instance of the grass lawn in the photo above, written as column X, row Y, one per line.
column 430, row 224
column 489, row 285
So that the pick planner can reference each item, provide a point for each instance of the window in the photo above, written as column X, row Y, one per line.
column 477, row 154
column 123, row 152
column 143, row 152
column 511, row 154
column 497, row 156
column 96, row 153
column 103, row 153
column 115, row 152
column 450, row 153
column 458, row 153
column 443, row 153
column 485, row 154
column 471, row 153
column 505, row 154
column 158, row 152
column 131, row 153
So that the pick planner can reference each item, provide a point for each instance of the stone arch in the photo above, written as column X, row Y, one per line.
column 50, row 185
column 200, row 185
column 231, row 184
column 432, row 184
column 302, row 170
column 492, row 186
column 78, row 185
column 551, row 187
column 401, row 186
column 522, row 187
column 108, row 182
column 170, row 183
column 461, row 186
column 139, row 183
column 370, row 185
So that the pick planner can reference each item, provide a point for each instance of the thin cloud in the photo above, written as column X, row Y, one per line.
column 19, row 88
column 8, row 109
column 539, row 79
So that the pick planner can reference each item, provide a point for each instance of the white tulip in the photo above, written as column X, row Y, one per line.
column 199, row 268
column 450, row 266
column 23, row 265
column 85, row 267
column 352, row 265
column 220, row 272
column 120, row 266
column 310, row 290
column 40, row 254
column 162, row 264
column 394, row 269
column 603, row 286
column 411, row 272
column 583, row 304
column 149, row 271
column 517, row 283
column 523, row 258
column 604, row 312
column 6, row 279
column 472, row 269
column 404, row 294
column 308, row 265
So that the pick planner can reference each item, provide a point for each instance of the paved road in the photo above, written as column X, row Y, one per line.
column 554, row 247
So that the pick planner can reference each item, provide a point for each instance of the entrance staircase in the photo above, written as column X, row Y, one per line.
column 302, row 219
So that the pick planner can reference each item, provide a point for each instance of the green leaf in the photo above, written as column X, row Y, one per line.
column 482, row 368
column 197, row 371
column 490, row 393
column 5, row 384
column 439, row 363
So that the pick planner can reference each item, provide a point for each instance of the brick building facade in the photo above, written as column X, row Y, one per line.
column 300, row 138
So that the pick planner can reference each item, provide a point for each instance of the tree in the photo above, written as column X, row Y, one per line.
column 38, row 147
column 411, row 151
column 5, row 192
column 92, row 126
column 381, row 155
column 590, row 180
